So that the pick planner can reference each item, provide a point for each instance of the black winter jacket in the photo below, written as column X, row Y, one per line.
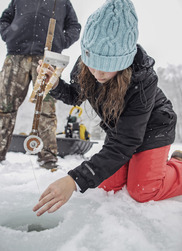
column 24, row 25
column 147, row 121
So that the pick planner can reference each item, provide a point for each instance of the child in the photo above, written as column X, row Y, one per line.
column 116, row 76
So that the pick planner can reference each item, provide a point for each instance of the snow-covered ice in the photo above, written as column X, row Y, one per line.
column 93, row 221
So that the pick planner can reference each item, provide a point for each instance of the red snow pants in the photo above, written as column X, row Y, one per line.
column 148, row 176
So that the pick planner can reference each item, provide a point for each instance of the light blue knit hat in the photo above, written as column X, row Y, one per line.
column 110, row 36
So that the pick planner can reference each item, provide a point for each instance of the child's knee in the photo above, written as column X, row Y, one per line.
column 136, row 196
column 142, row 193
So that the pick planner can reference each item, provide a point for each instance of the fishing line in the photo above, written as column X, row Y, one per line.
column 32, row 165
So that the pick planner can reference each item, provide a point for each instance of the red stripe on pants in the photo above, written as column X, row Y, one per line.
column 148, row 176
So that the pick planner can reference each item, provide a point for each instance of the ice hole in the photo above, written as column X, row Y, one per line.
column 31, row 223
column 31, row 227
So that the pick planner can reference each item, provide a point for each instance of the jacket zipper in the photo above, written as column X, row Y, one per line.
column 34, row 28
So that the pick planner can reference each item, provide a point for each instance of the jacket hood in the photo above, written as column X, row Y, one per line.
column 141, row 65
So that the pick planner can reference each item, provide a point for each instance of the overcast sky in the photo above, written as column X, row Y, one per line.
column 160, row 31
column 160, row 28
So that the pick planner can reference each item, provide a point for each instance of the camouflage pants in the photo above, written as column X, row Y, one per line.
column 15, row 77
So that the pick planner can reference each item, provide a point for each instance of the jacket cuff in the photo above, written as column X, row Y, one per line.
column 56, row 92
column 83, row 186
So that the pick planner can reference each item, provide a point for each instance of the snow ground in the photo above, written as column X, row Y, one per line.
column 93, row 221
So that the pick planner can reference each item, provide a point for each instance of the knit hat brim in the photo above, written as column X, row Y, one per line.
column 105, row 63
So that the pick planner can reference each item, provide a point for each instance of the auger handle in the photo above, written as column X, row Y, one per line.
column 50, row 33
column 48, row 46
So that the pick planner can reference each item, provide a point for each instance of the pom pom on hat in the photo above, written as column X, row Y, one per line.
column 110, row 35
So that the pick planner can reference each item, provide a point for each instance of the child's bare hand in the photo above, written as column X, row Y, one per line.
column 49, row 72
column 56, row 195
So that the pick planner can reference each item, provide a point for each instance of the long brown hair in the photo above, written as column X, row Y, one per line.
column 109, row 96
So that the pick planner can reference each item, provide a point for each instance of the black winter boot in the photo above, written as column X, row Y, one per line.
column 177, row 155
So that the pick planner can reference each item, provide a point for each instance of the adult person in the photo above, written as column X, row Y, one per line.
column 23, row 26
column 116, row 76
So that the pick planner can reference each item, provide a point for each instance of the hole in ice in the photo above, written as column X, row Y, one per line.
column 20, row 217
column 30, row 224
column 38, row 227
column 35, row 227
column 32, row 227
